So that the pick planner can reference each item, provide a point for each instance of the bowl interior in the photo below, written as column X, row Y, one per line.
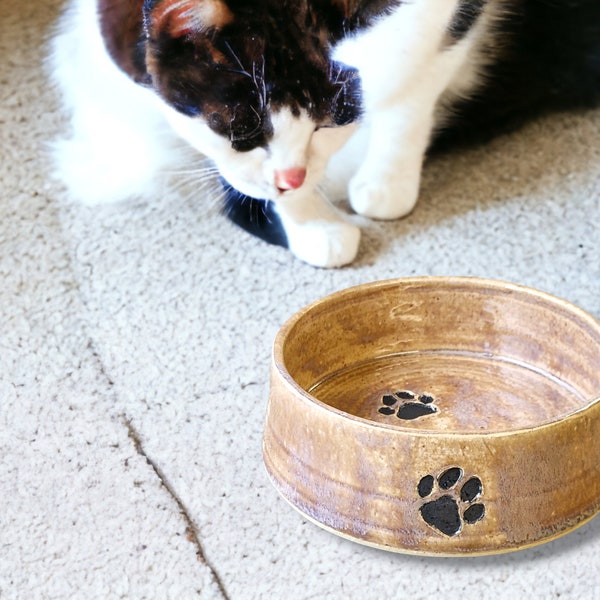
column 445, row 354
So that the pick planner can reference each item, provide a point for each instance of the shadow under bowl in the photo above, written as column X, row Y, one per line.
column 438, row 415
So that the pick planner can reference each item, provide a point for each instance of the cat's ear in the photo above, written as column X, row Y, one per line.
column 346, row 7
column 178, row 18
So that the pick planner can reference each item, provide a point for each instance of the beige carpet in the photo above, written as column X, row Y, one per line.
column 134, row 360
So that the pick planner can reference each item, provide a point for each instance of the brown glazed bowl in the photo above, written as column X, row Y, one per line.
column 441, row 416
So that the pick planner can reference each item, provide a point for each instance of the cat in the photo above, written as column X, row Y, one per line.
column 302, row 103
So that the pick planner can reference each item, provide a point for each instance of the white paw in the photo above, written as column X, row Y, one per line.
column 384, row 197
column 325, row 243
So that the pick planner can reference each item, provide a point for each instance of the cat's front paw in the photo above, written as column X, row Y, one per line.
column 325, row 243
column 383, row 197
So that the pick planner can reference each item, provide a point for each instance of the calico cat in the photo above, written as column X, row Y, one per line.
column 301, row 102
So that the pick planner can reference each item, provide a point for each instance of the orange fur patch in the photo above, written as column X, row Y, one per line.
column 183, row 17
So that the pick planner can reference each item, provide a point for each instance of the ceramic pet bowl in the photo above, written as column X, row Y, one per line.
column 439, row 416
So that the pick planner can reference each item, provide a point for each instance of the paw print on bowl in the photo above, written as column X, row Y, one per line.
column 452, row 501
column 407, row 405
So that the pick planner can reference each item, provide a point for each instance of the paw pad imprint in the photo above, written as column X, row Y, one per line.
column 453, row 501
column 410, row 406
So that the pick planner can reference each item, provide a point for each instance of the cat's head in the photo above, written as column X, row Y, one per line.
column 253, row 86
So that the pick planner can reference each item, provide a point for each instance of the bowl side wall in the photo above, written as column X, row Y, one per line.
column 362, row 482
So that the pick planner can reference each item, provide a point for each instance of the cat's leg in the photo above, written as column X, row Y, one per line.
column 386, row 186
column 316, row 232
column 406, row 62
column 118, row 140
column 344, row 164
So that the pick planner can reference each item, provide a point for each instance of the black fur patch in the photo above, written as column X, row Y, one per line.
column 257, row 217
column 547, row 57
column 236, row 74
column 121, row 28
column 467, row 13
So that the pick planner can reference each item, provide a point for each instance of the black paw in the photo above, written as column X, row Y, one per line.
column 409, row 405
column 450, row 510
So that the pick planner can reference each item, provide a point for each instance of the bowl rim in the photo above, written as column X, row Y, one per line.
column 278, row 362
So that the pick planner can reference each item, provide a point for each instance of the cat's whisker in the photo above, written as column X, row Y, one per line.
column 198, row 164
column 216, row 201
column 326, row 199
column 194, row 180
column 259, row 82
column 195, row 185
column 243, row 70
column 210, row 195
column 236, row 71
column 194, row 171
column 264, row 205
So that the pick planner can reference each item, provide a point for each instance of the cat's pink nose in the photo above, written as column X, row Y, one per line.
column 289, row 179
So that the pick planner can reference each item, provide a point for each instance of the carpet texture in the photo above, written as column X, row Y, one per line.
column 134, row 361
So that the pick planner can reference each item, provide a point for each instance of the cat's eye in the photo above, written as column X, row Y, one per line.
column 324, row 126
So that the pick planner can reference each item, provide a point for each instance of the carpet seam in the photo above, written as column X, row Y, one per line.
column 191, row 530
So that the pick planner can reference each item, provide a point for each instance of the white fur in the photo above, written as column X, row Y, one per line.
column 124, row 136
column 400, row 98
column 119, row 142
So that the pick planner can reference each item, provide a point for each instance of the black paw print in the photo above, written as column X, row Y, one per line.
column 449, row 511
column 410, row 407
